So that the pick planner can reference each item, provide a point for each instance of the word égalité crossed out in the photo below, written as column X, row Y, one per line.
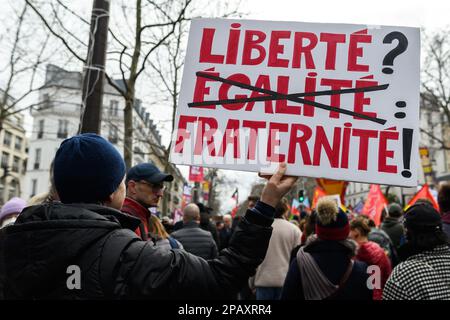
column 294, row 97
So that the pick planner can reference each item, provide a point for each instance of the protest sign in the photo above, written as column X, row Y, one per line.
column 196, row 174
column 336, row 101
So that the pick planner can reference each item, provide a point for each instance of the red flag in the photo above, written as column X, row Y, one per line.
column 318, row 193
column 423, row 193
column 196, row 174
column 375, row 204
column 234, row 211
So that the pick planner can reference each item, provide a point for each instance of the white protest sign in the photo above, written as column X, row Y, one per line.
column 337, row 101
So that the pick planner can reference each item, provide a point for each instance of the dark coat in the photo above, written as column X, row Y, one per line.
column 332, row 259
column 47, row 239
column 224, row 237
column 394, row 228
column 196, row 240
column 207, row 225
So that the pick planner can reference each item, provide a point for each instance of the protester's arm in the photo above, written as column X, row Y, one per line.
column 146, row 271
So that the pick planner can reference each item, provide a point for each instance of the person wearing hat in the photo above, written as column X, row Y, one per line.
column 10, row 210
column 393, row 225
column 84, row 247
column 425, row 275
column 323, row 268
column 145, row 188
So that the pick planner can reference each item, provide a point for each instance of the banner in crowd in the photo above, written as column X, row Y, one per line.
column 318, row 193
column 205, row 190
column 196, row 174
column 336, row 101
column 424, row 194
column 427, row 166
column 333, row 187
column 294, row 207
column 375, row 203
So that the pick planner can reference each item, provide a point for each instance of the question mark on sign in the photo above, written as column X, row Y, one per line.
column 398, row 50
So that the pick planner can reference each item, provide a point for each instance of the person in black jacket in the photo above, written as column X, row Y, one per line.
column 85, row 248
column 192, row 237
column 206, row 223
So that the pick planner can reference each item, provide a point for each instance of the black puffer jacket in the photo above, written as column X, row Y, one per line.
column 114, row 262
column 196, row 240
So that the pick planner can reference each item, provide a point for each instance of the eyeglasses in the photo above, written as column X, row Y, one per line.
column 155, row 187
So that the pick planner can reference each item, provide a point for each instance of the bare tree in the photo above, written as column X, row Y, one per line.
column 167, row 67
column 436, row 82
column 23, row 66
column 166, row 73
column 135, row 36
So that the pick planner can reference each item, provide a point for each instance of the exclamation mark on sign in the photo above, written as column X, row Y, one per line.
column 407, row 145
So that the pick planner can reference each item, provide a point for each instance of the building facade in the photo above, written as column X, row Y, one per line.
column 59, row 115
column 13, row 151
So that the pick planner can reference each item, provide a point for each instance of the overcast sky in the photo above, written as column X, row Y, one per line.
column 430, row 14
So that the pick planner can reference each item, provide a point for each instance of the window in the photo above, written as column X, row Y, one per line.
column 62, row 129
column 16, row 164
column 114, row 108
column 7, row 139
column 37, row 158
column 24, row 166
column 175, row 187
column 113, row 136
column 18, row 143
column 46, row 102
column 12, row 189
column 40, row 133
column 5, row 159
column 33, row 187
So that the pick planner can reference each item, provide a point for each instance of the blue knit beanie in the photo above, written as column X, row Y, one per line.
column 87, row 169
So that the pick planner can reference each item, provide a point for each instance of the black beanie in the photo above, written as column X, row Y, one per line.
column 422, row 217
column 87, row 169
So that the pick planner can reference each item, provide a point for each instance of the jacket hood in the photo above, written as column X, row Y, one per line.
column 46, row 239
column 390, row 222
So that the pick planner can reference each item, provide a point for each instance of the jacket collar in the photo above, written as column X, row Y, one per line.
column 134, row 208
column 191, row 224
column 59, row 212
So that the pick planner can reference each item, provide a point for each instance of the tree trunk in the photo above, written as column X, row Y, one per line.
column 128, row 130
column 131, row 84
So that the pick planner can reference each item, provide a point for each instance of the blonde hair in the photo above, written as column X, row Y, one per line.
column 156, row 228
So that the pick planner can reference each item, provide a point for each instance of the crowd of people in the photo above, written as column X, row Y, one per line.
column 97, row 216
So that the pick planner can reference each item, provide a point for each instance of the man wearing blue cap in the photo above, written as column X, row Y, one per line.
column 85, row 248
column 145, row 188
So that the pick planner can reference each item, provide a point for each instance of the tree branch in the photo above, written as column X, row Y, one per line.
column 54, row 33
